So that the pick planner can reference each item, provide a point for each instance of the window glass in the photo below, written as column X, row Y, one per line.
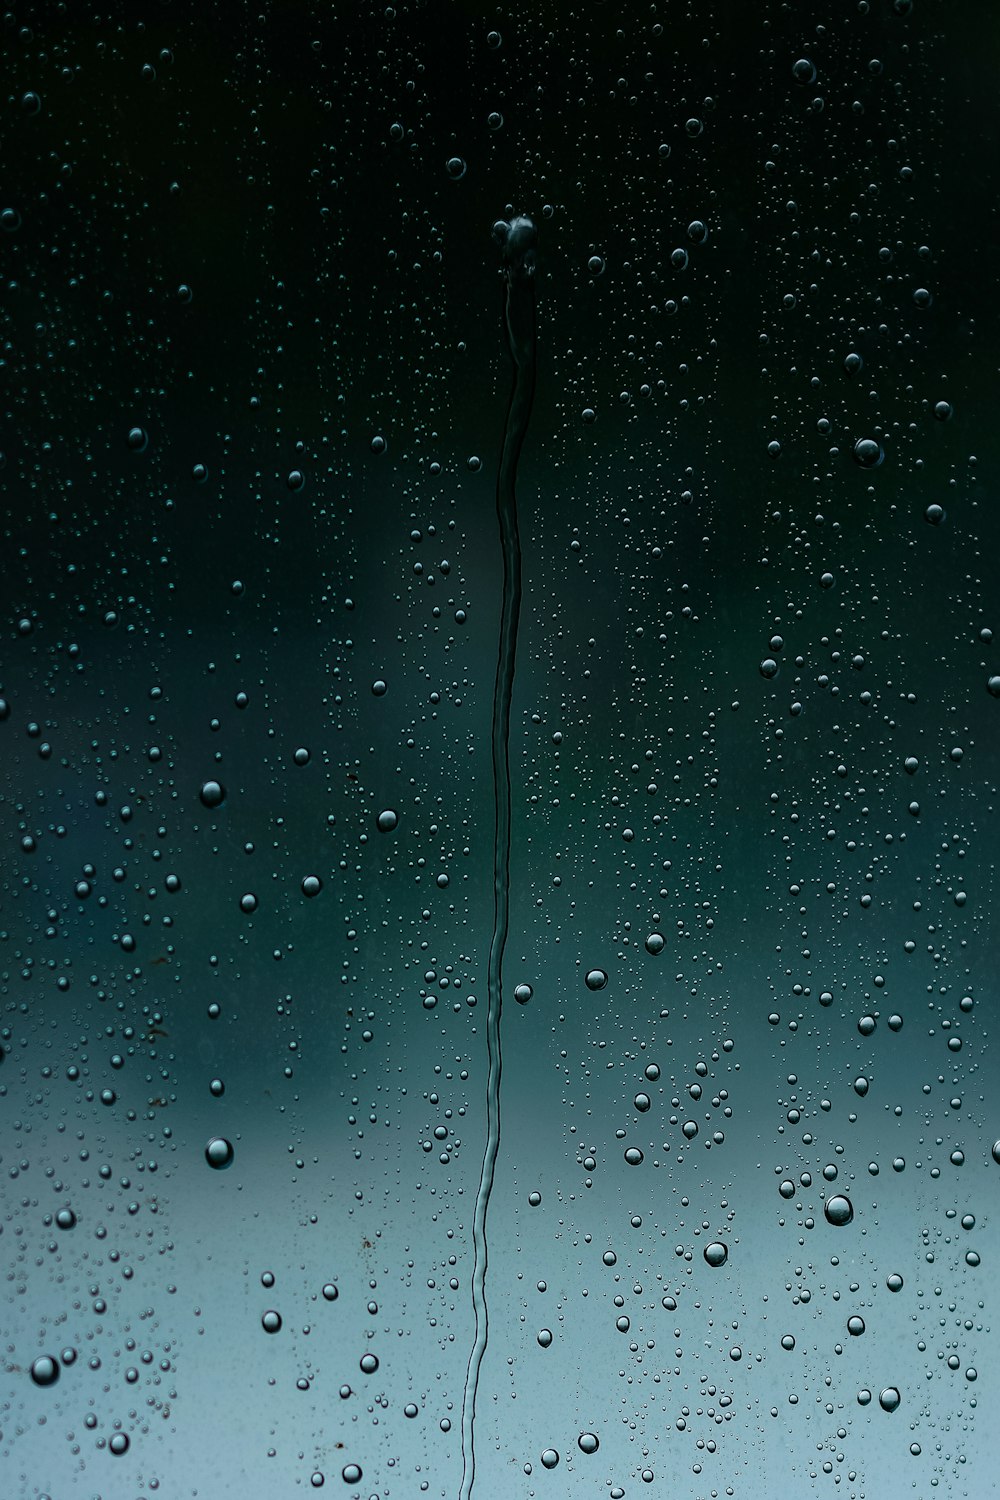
column 499, row 724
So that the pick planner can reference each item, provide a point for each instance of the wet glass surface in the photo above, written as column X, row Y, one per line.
column 499, row 726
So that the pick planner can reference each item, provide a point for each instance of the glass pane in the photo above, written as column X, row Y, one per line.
column 499, row 740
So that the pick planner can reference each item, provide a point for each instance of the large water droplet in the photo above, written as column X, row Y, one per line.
column 45, row 1370
column 219, row 1153
column 839, row 1210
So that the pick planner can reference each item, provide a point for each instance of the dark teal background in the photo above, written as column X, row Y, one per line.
column 287, row 165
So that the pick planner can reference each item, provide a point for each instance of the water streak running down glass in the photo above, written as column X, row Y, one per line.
column 517, row 239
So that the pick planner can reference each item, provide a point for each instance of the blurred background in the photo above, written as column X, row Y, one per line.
column 254, row 387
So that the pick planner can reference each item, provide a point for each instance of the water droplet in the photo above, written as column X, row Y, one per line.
column 312, row 885
column 45, row 1370
column 855, row 1326
column 219, row 1153
column 839, row 1210
column 716, row 1254
column 655, row 943
column 588, row 1442
column 596, row 979
column 868, row 453
column 550, row 1458
column 387, row 821
column 523, row 993
column 544, row 1337
column 212, row 794
column 889, row 1399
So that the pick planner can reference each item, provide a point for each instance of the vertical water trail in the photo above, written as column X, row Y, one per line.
column 517, row 240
